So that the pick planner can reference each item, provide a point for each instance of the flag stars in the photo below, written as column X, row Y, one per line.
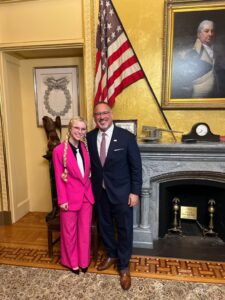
column 118, row 28
column 113, row 35
column 107, row 3
column 109, row 26
column 111, row 12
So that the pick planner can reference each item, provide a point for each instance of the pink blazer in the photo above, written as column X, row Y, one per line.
column 77, row 187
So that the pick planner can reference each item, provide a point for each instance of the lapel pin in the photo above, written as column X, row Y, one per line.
column 114, row 140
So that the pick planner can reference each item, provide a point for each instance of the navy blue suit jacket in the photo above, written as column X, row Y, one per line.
column 122, row 171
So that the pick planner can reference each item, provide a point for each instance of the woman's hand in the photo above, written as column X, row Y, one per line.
column 64, row 206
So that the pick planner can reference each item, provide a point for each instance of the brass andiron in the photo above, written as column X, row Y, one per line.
column 211, row 210
column 176, row 225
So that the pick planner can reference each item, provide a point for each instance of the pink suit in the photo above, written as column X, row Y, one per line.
column 75, row 224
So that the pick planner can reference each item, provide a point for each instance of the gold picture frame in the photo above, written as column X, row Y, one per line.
column 188, row 81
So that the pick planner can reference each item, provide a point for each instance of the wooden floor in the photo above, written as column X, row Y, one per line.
column 25, row 243
column 30, row 231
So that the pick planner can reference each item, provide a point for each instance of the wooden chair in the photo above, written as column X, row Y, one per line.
column 53, row 225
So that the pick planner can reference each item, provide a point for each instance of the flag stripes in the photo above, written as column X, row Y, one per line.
column 116, row 63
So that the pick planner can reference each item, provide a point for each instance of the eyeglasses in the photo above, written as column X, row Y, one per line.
column 79, row 129
column 104, row 113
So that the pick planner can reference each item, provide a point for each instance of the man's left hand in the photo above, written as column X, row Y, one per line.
column 133, row 200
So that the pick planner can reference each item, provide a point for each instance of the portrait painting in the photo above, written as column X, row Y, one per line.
column 194, row 55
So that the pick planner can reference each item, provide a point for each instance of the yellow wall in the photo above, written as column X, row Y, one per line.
column 41, row 22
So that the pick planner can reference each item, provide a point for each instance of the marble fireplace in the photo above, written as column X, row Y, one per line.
column 199, row 169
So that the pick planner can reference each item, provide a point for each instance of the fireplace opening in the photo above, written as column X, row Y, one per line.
column 193, row 194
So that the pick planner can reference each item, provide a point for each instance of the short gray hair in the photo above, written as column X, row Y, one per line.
column 203, row 24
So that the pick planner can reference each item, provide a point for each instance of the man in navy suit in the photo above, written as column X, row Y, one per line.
column 116, row 183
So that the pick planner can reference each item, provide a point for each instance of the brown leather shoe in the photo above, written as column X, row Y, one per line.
column 125, row 279
column 108, row 262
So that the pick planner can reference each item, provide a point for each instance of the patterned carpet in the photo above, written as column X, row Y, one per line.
column 145, row 267
column 22, row 283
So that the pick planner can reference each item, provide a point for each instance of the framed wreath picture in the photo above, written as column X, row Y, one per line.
column 56, row 93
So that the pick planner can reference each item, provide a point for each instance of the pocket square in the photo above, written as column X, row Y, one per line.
column 119, row 149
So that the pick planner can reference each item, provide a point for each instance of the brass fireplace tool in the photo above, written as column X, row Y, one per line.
column 176, row 224
column 211, row 210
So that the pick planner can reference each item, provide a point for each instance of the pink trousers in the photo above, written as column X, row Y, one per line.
column 75, row 236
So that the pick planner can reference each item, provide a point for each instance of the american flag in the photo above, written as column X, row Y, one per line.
column 116, row 63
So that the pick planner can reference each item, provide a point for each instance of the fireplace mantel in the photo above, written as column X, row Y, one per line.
column 167, row 162
column 197, row 148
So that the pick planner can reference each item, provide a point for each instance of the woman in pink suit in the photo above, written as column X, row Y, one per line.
column 75, row 198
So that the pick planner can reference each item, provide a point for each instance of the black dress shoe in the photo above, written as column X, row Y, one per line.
column 77, row 271
column 84, row 270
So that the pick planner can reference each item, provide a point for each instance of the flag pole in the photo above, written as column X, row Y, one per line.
column 148, row 83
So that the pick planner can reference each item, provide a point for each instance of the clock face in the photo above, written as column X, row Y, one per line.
column 201, row 130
